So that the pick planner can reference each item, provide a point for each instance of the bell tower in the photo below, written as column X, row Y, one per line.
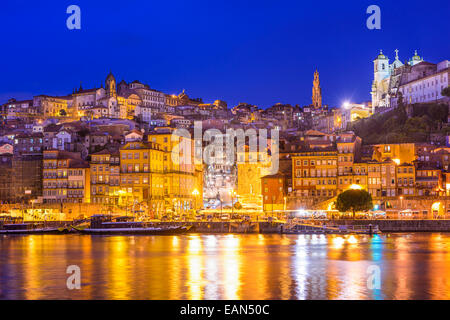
column 316, row 91
column 110, row 85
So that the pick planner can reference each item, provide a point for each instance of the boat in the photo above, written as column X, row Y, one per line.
column 106, row 225
column 26, row 228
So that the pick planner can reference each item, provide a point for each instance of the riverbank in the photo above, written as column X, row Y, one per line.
column 218, row 227
column 402, row 225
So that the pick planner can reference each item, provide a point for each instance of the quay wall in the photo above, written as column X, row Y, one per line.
column 402, row 225
column 268, row 227
column 230, row 227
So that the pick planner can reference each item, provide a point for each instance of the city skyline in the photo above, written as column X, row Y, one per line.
column 225, row 151
column 253, row 55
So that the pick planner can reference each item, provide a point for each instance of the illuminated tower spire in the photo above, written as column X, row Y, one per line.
column 316, row 91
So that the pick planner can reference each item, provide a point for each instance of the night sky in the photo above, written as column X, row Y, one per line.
column 260, row 52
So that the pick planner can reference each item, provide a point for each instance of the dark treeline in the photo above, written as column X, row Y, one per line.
column 413, row 123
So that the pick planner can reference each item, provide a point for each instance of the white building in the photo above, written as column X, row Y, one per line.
column 423, row 83
column 417, row 81
column 381, row 80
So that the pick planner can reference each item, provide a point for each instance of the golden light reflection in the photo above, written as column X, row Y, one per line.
column 119, row 285
column 231, row 263
column 175, row 242
column 301, row 268
column 195, row 266
column 33, row 264
column 413, row 266
column 351, row 239
column 337, row 242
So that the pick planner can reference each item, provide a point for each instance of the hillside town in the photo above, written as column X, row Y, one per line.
column 117, row 147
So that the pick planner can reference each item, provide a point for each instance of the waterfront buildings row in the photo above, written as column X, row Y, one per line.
column 113, row 145
column 323, row 165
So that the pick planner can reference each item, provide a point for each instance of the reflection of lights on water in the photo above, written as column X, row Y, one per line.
column 211, row 288
column 337, row 242
column 352, row 239
column 261, row 239
column 175, row 241
column 195, row 277
column 195, row 267
column 210, row 241
column 231, row 241
column 194, row 244
column 232, row 265
column 301, row 239
column 301, row 266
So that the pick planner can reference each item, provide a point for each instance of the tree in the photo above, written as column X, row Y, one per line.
column 446, row 91
column 62, row 113
column 354, row 200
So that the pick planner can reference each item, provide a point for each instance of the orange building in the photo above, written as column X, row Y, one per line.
column 274, row 192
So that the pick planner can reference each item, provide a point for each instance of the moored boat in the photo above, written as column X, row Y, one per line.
column 104, row 225
column 26, row 228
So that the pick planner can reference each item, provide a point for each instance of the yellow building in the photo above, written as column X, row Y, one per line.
column 360, row 174
column 54, row 106
column 399, row 152
column 348, row 146
column 251, row 167
column 142, row 176
column 314, row 173
column 66, row 178
column 183, row 179
column 105, row 177
column 406, row 179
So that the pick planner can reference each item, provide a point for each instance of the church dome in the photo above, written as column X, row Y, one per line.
column 416, row 56
column 381, row 55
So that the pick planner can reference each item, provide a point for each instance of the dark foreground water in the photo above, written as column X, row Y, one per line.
column 412, row 266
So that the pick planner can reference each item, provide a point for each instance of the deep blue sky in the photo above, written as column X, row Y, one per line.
column 261, row 52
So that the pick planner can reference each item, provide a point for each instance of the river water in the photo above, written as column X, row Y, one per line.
column 253, row 266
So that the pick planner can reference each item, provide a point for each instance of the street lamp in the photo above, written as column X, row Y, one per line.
column 232, row 194
column 195, row 193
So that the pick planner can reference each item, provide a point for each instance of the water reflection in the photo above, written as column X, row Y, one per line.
column 413, row 266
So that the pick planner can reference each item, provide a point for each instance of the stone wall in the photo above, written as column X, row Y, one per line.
column 402, row 225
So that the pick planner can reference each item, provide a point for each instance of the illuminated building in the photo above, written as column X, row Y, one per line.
column 66, row 178
column 315, row 173
column 142, row 176
column 181, row 175
column 105, row 176
column 251, row 167
column 382, row 178
column 429, row 181
column 406, row 176
column 274, row 192
column 348, row 147
column 53, row 106
column 316, row 92
column 404, row 152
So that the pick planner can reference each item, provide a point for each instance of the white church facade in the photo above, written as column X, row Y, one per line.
column 415, row 81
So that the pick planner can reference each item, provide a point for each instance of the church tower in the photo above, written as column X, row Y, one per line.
column 110, row 86
column 316, row 91
column 415, row 59
column 380, row 84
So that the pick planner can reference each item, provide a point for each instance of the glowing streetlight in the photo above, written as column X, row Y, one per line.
column 356, row 187
column 195, row 193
